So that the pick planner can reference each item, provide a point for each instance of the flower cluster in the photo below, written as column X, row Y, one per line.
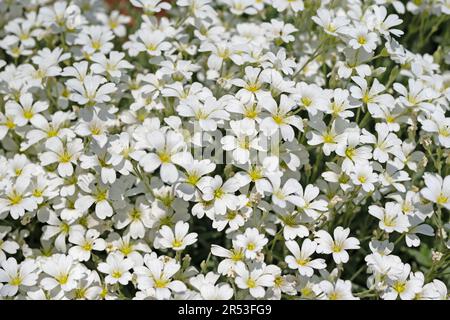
column 230, row 149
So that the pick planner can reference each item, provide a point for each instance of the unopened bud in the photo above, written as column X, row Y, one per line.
column 335, row 200
column 427, row 141
column 423, row 162
column 436, row 256
column 229, row 172
column 255, row 197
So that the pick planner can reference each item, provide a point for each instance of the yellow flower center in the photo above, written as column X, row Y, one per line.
column 52, row 133
column 152, row 47
column 362, row 40
column 389, row 221
column 126, row 249
column 80, row 293
column 350, row 153
column 390, row 119
column 337, row 247
column 101, row 195
column 441, row 199
column 62, row 278
column 333, row 296
column 193, row 179
column 278, row 119
column 279, row 194
column 164, row 157
column 306, row 101
column 251, row 112
column 177, row 243
column 306, row 291
column 331, row 28
column 244, row 143
column 64, row 227
column 328, row 138
column 10, row 123
column 366, row 99
column 251, row 283
column 161, row 283
column 65, row 157
column 37, row 193
column 231, row 215
column 444, row 131
column 237, row 255
column 399, row 286
column 218, row 193
column 96, row 44
column 96, row 131
column 16, row 281
column 255, row 174
column 15, row 198
column 279, row 281
column 113, row 24
column 302, row 262
column 253, row 87
column 28, row 114
column 135, row 215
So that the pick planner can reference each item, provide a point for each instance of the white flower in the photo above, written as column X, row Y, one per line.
column 95, row 38
column 312, row 208
column 280, row 118
column 168, row 152
column 391, row 217
column 331, row 25
column 151, row 5
column 243, row 140
column 384, row 22
column 252, row 241
column 287, row 193
column 401, row 287
column 216, row 292
column 294, row 5
column 64, row 154
column 328, row 137
column 341, row 290
column 440, row 125
column 177, row 239
column 301, row 258
column 157, row 275
column 117, row 269
column 336, row 245
column 7, row 246
column 437, row 190
column 100, row 197
column 222, row 194
column 112, row 65
column 417, row 227
column 61, row 272
column 254, row 280
column 17, row 276
column 85, row 243
column 136, row 218
column 92, row 90
column 26, row 111
column 234, row 258
column 361, row 37
column 363, row 175
column 251, row 84
column 17, row 199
